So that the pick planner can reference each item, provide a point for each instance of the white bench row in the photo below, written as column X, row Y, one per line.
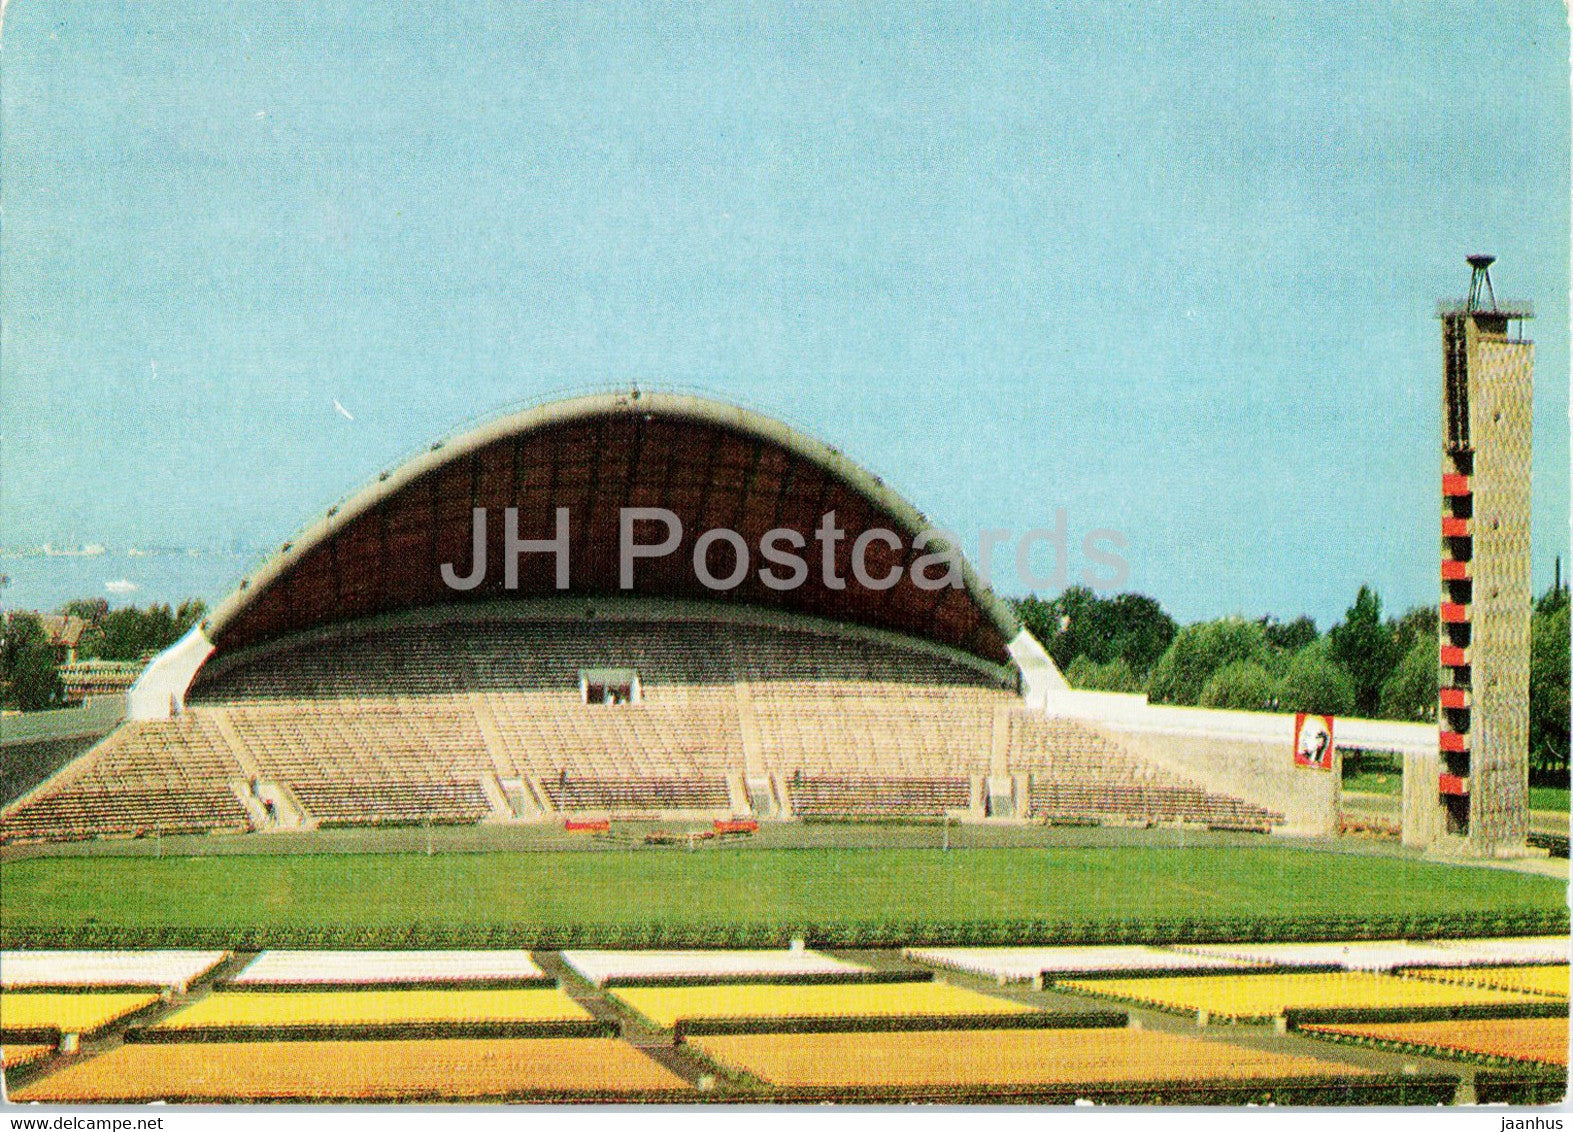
column 1019, row 963
column 159, row 969
column 1386, row 955
column 600, row 966
column 349, row 967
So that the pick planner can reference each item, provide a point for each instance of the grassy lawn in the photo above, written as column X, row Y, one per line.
column 1549, row 798
column 1540, row 797
column 586, row 897
column 1380, row 783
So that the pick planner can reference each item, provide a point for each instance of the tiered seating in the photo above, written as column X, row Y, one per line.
column 420, row 723
column 371, row 762
column 1146, row 803
column 847, row 796
column 1067, row 750
column 1078, row 774
column 833, row 707
column 875, row 728
column 169, row 777
column 636, row 794
column 393, row 803
column 765, row 655
column 674, row 731
column 457, row 659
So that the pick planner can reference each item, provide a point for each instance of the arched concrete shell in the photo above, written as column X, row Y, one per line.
column 713, row 464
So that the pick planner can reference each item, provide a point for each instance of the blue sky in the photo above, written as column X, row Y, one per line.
column 1170, row 267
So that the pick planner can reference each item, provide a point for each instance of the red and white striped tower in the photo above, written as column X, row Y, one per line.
column 1479, row 803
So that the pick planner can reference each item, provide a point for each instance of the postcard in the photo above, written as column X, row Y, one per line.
column 692, row 559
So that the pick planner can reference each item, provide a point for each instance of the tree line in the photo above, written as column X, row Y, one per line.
column 1365, row 665
column 29, row 673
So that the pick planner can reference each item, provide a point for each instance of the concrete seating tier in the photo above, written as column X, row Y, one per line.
column 392, row 802
column 430, row 739
column 675, row 730
column 84, row 812
column 144, row 778
column 1078, row 773
column 423, row 723
column 1187, row 804
column 1066, row 749
column 636, row 794
column 876, row 727
column 849, row 796
column 543, row 656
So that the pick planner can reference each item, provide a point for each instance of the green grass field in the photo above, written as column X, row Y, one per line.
column 1550, row 798
column 733, row 897
column 1379, row 783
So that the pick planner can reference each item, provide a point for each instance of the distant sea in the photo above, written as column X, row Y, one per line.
column 46, row 583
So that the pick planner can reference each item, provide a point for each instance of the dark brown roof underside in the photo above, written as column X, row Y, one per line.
column 389, row 558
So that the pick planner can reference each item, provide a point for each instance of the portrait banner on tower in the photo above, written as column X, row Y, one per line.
column 1313, row 741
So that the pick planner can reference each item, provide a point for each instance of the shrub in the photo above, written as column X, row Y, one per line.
column 1548, row 691
column 1115, row 676
column 1241, row 686
column 1411, row 691
column 1201, row 650
column 1315, row 682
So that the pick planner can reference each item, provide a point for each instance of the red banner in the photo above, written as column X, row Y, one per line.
column 593, row 825
column 1313, row 744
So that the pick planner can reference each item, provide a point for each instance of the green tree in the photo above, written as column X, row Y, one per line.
column 1038, row 618
column 190, row 612
column 1116, row 676
column 132, row 633
column 1548, row 691
column 1315, row 682
column 1198, row 651
column 1081, row 627
column 27, row 664
column 1290, row 638
column 1418, row 624
column 18, row 631
column 1411, row 691
column 35, row 682
column 1243, row 685
column 1129, row 627
column 1364, row 646
column 1142, row 631
column 94, row 611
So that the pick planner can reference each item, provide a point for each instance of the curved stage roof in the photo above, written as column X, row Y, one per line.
column 714, row 465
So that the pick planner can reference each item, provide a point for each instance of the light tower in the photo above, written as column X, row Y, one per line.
column 1475, row 798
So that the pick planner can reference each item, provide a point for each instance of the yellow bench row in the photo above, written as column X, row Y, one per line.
column 479, row 1069
column 1245, row 996
column 457, row 1069
column 263, row 1009
column 666, row 1006
column 87, row 1013
column 67, row 1013
column 1549, row 979
column 81, row 1013
column 1543, row 1040
column 1000, row 1058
